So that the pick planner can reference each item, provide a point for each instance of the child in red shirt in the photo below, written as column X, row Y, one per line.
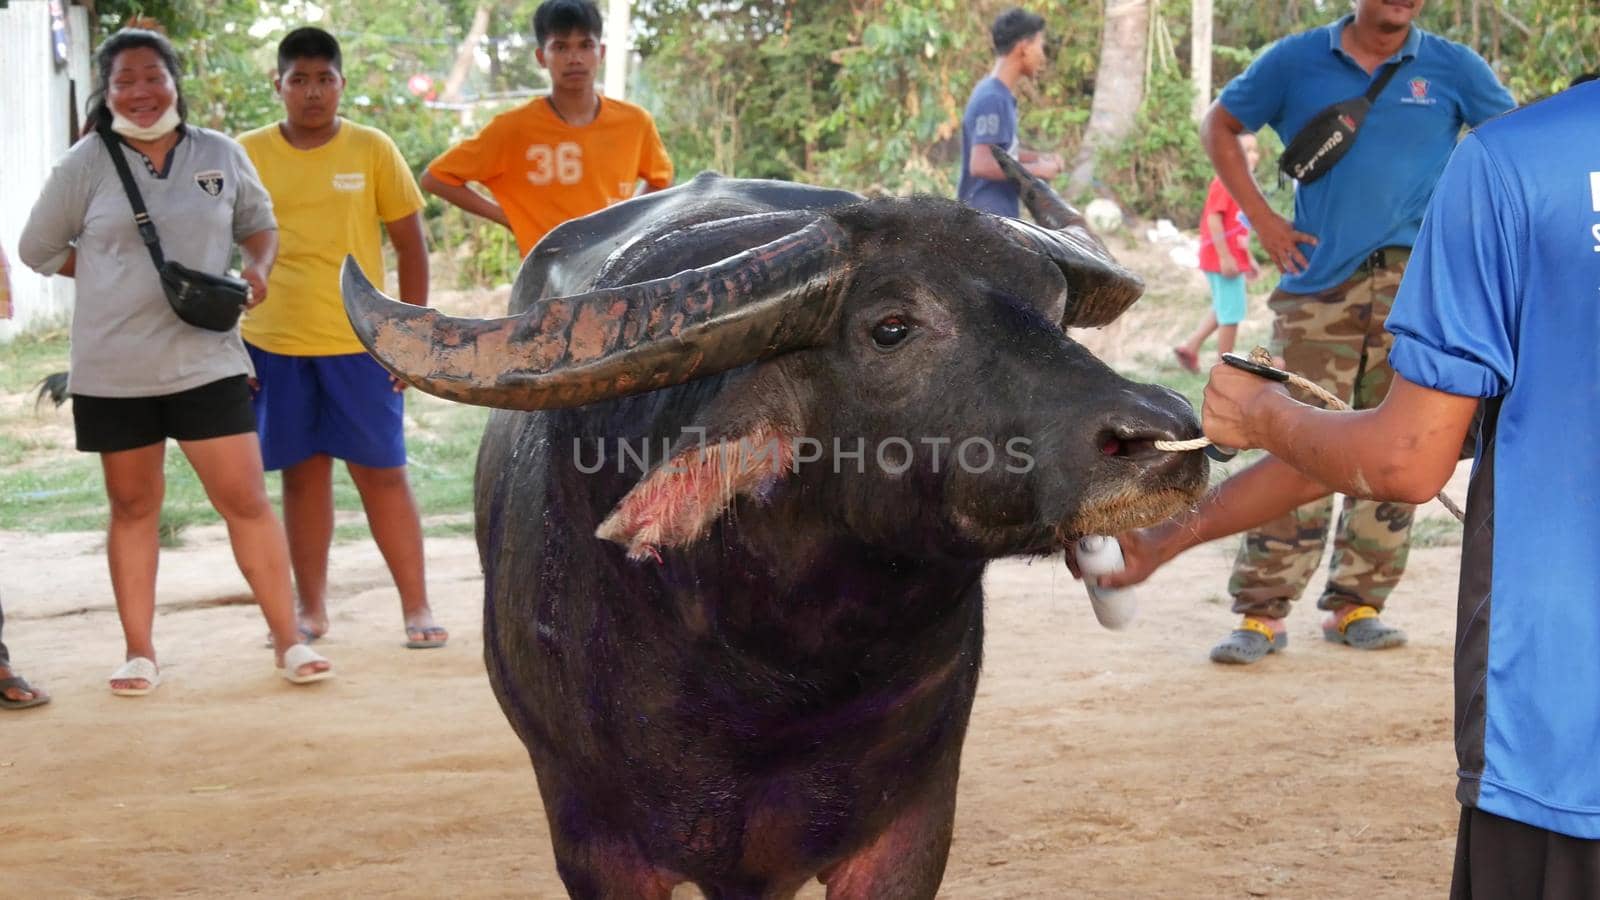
column 1222, row 225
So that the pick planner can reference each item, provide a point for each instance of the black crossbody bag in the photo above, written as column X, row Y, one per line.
column 208, row 301
column 1329, row 135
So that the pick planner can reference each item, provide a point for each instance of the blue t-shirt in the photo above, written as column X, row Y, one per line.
column 1501, row 300
column 991, row 118
column 1377, row 193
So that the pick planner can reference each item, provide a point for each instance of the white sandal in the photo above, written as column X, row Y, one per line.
column 297, row 656
column 138, row 668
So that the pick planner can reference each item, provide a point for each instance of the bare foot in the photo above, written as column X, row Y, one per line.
column 1187, row 358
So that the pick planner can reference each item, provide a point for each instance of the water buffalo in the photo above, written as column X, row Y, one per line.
column 738, row 636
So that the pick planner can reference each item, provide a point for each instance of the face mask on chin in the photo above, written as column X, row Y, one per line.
column 158, row 129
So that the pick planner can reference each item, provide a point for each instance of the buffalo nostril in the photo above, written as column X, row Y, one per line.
column 1131, row 444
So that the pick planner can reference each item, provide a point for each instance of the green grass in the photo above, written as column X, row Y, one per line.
column 46, row 489
column 29, row 358
column 1436, row 531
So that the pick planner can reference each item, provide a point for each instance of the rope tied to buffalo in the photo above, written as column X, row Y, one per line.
column 1261, row 357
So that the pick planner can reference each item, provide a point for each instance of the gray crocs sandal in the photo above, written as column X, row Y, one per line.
column 1248, row 643
column 1362, row 629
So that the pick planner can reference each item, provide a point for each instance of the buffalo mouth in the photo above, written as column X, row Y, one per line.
column 1130, row 509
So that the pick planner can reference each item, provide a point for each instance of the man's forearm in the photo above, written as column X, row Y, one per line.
column 459, row 195
column 260, row 250
column 1227, row 157
column 1267, row 490
column 1361, row 454
column 411, row 257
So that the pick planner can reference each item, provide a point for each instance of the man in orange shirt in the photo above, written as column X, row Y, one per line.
column 557, row 157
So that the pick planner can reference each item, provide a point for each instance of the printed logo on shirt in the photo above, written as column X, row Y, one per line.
column 1419, row 93
column 210, row 181
column 989, row 124
column 349, row 181
column 1594, row 190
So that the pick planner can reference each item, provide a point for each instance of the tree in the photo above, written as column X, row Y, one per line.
column 1118, row 85
column 1200, row 55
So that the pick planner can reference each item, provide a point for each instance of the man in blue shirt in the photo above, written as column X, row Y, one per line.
column 1342, row 258
column 991, row 118
column 1501, row 304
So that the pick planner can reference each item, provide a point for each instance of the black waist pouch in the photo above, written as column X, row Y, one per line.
column 1331, row 132
column 202, row 299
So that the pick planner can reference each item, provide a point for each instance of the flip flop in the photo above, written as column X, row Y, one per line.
column 1362, row 629
column 307, row 636
column 297, row 656
column 138, row 668
column 17, row 681
column 425, row 642
column 1248, row 643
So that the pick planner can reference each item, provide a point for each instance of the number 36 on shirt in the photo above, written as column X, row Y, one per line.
column 562, row 163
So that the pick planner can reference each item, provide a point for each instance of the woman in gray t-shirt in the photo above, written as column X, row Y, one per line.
column 140, row 374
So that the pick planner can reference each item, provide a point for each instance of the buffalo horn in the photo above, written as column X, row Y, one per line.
column 569, row 351
column 1099, row 290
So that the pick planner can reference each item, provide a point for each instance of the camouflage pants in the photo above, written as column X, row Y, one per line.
column 1335, row 338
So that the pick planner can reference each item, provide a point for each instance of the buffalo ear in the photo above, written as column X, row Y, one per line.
column 743, row 444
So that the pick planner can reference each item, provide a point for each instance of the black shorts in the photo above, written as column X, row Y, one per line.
column 112, row 424
column 1502, row 859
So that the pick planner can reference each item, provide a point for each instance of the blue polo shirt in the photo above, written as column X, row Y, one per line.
column 991, row 118
column 1501, row 300
column 1377, row 193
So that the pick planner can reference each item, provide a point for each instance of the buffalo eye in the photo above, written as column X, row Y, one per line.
column 890, row 332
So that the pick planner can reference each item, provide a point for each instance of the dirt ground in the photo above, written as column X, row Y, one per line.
column 1099, row 764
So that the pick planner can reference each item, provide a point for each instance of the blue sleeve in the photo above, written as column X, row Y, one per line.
column 1454, row 319
column 989, row 120
column 1482, row 95
column 1256, row 96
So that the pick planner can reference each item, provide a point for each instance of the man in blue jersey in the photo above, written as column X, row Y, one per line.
column 1342, row 258
column 991, row 118
column 1501, row 304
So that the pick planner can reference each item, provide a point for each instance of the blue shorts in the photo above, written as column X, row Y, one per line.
column 1227, row 297
column 341, row 406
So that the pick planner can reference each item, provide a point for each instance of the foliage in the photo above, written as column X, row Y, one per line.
column 855, row 93
column 1160, row 169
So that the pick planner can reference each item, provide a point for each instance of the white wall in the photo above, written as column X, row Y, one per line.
column 35, row 101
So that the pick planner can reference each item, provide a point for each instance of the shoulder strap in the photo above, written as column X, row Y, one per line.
column 1383, row 80
column 141, row 218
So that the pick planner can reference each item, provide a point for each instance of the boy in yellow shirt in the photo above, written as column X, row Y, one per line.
column 320, row 396
column 558, row 157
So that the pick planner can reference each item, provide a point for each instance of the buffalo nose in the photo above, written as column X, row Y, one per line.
column 1145, row 415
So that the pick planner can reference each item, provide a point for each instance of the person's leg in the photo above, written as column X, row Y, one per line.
column 1188, row 353
column 215, row 427
column 1228, row 306
column 308, row 519
column 287, row 409
column 16, row 691
column 363, row 423
column 1372, row 540
column 1276, row 561
column 397, row 528
column 230, row 470
column 1502, row 859
column 135, row 485
column 1226, row 336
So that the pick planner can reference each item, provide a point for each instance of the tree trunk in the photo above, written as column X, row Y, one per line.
column 1118, row 85
column 465, row 54
column 1200, row 55
column 618, row 47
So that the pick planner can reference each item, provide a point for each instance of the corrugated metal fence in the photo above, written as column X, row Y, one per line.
column 36, row 100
